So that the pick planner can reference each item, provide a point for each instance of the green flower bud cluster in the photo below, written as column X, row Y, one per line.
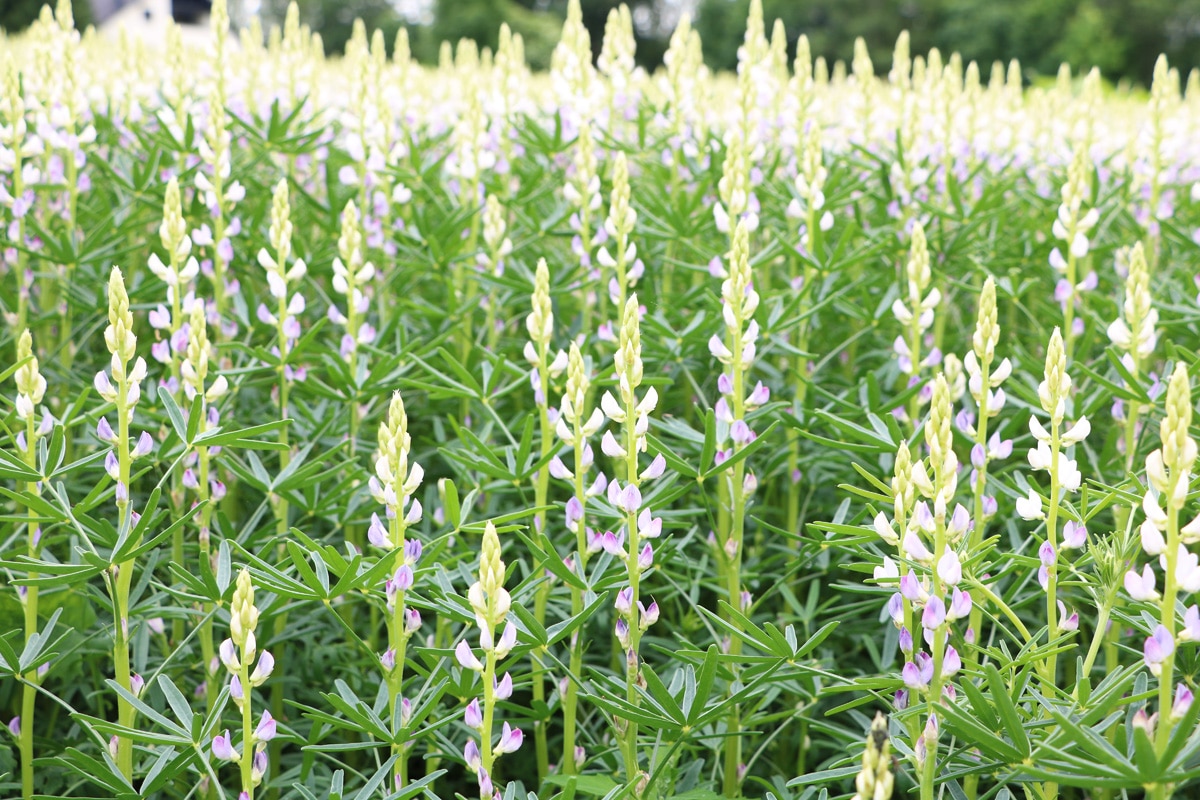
column 31, row 386
column 875, row 781
column 571, row 72
column 616, row 60
column 194, row 370
column 1136, row 332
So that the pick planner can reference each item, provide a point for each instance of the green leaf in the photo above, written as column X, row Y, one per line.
column 450, row 503
column 742, row 454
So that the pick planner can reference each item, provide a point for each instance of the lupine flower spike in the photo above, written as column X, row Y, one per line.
column 632, row 544
column 914, row 310
column 239, row 653
column 394, row 486
column 1169, row 473
column 491, row 603
column 1051, row 456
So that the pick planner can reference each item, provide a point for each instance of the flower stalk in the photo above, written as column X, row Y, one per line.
column 575, row 425
column 491, row 603
column 394, row 485
column 540, row 326
column 31, row 389
column 631, row 544
column 736, row 354
column 238, row 654
column 123, row 390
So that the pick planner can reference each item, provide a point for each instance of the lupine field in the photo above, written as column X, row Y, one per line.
column 374, row 430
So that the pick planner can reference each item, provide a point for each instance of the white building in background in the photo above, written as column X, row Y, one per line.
column 148, row 19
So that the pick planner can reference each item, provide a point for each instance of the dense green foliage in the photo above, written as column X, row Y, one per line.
column 593, row 433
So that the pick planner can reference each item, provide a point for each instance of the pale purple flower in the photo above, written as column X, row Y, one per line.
column 377, row 533
column 510, row 739
column 264, row 668
column 645, row 558
column 912, row 589
column 1074, row 534
column 466, row 657
column 471, row 756
column 508, row 640
column 266, row 729
column 951, row 662
column 1158, row 647
column 222, row 748
column 624, row 601
column 656, row 468
column 960, row 605
column 934, row 615
column 1141, row 587
column 503, row 689
column 895, row 607
column 1191, row 625
column 473, row 714
column 949, row 568
column 917, row 675
column 1183, row 701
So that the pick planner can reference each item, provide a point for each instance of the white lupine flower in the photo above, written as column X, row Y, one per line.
column 1029, row 507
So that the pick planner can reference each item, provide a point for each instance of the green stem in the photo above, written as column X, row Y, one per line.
column 1166, row 677
column 247, row 762
column 1051, row 663
column 571, row 696
column 398, row 637
column 975, row 541
column 928, row 773
column 124, row 582
column 207, row 650
column 29, row 684
column 633, row 571
column 487, row 758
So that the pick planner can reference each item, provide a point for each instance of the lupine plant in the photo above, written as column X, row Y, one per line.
column 865, row 468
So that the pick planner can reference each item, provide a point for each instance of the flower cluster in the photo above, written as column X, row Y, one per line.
column 350, row 276
column 937, row 594
column 739, row 301
column 289, row 304
column 491, row 603
column 810, row 188
column 178, row 274
column 582, row 191
column 1071, row 227
column 915, row 311
column 395, row 481
column 737, row 198
column 1049, row 454
column 875, row 780
column 393, row 485
column 124, row 388
column 984, row 379
column 16, row 145
column 238, row 653
column 495, row 229
column 575, row 425
column 31, row 388
column 626, row 266
column 539, row 324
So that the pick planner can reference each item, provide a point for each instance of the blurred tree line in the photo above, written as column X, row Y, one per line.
column 1122, row 37
column 16, row 15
